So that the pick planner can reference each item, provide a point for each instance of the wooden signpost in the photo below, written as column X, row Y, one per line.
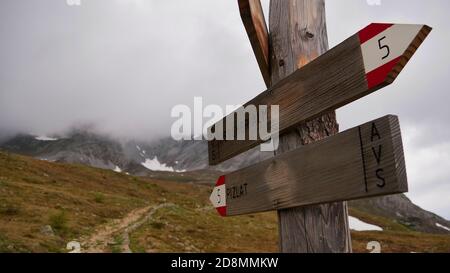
column 363, row 162
column 315, row 170
column 362, row 64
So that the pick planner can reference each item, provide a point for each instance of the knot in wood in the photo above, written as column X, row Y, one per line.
column 307, row 34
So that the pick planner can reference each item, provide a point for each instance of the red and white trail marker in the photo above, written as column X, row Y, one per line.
column 383, row 46
column 364, row 63
column 218, row 197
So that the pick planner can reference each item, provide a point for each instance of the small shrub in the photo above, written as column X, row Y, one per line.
column 157, row 225
column 9, row 210
column 59, row 221
column 150, row 186
column 117, row 246
column 99, row 197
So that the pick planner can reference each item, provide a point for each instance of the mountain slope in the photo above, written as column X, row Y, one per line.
column 80, row 147
column 399, row 207
column 45, row 205
column 130, row 156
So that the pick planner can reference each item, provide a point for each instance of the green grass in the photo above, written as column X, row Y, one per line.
column 34, row 193
column 59, row 222
column 117, row 247
column 99, row 197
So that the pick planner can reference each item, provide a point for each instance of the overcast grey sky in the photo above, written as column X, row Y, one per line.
column 121, row 65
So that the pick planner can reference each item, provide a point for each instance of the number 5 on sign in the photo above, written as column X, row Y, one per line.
column 75, row 247
column 382, row 47
column 385, row 47
column 374, row 247
column 218, row 196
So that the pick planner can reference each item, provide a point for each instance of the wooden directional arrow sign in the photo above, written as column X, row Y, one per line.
column 362, row 162
column 255, row 24
column 364, row 63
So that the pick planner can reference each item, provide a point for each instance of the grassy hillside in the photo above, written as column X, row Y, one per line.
column 45, row 205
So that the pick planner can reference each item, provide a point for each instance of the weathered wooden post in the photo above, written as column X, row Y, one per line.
column 298, row 35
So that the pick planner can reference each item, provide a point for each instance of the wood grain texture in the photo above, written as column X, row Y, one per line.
column 362, row 162
column 333, row 80
column 330, row 81
column 298, row 36
column 255, row 24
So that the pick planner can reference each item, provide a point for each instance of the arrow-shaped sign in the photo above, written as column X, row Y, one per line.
column 255, row 24
column 364, row 63
column 359, row 163
column 386, row 48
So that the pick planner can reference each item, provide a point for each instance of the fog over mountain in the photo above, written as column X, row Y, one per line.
column 119, row 66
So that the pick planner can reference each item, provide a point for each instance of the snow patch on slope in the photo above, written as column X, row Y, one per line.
column 442, row 226
column 155, row 165
column 358, row 225
column 118, row 169
column 45, row 138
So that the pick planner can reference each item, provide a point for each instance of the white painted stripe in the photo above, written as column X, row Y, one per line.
column 218, row 197
column 398, row 38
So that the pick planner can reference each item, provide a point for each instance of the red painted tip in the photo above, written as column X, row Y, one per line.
column 378, row 76
column 371, row 31
column 220, row 181
column 222, row 211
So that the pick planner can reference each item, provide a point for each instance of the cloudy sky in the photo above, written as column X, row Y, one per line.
column 121, row 65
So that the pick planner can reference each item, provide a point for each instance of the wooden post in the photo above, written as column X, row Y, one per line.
column 298, row 35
